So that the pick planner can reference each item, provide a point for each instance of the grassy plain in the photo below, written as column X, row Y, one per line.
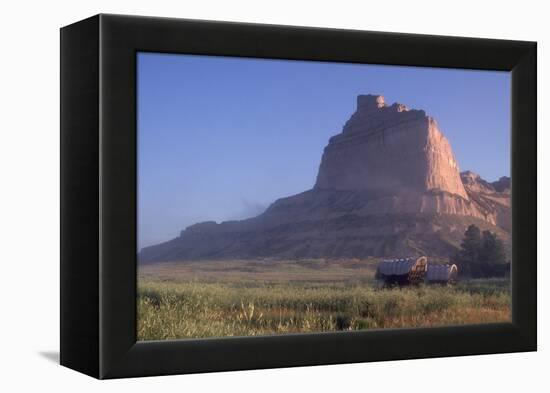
column 246, row 298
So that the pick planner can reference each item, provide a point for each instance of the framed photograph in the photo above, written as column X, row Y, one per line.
column 240, row 196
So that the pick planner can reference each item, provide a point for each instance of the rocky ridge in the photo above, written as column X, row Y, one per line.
column 388, row 185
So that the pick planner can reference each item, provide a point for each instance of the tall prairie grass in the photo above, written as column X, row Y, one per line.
column 193, row 309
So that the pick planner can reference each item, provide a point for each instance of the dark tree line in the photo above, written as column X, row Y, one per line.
column 481, row 254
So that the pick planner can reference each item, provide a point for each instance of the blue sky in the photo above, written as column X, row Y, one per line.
column 220, row 138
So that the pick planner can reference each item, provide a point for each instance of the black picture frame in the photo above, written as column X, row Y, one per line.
column 98, row 195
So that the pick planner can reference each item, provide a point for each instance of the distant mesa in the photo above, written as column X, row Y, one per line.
column 474, row 182
column 388, row 185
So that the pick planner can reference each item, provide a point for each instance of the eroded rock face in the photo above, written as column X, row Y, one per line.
column 503, row 185
column 389, row 150
column 388, row 185
column 473, row 182
column 492, row 200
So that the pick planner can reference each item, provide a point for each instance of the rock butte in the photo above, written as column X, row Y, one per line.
column 388, row 185
column 389, row 150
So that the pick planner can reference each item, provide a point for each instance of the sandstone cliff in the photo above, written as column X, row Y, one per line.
column 389, row 150
column 388, row 185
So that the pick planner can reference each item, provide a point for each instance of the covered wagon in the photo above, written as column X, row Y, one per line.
column 442, row 274
column 404, row 271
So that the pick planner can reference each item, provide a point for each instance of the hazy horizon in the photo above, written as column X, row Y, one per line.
column 221, row 138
